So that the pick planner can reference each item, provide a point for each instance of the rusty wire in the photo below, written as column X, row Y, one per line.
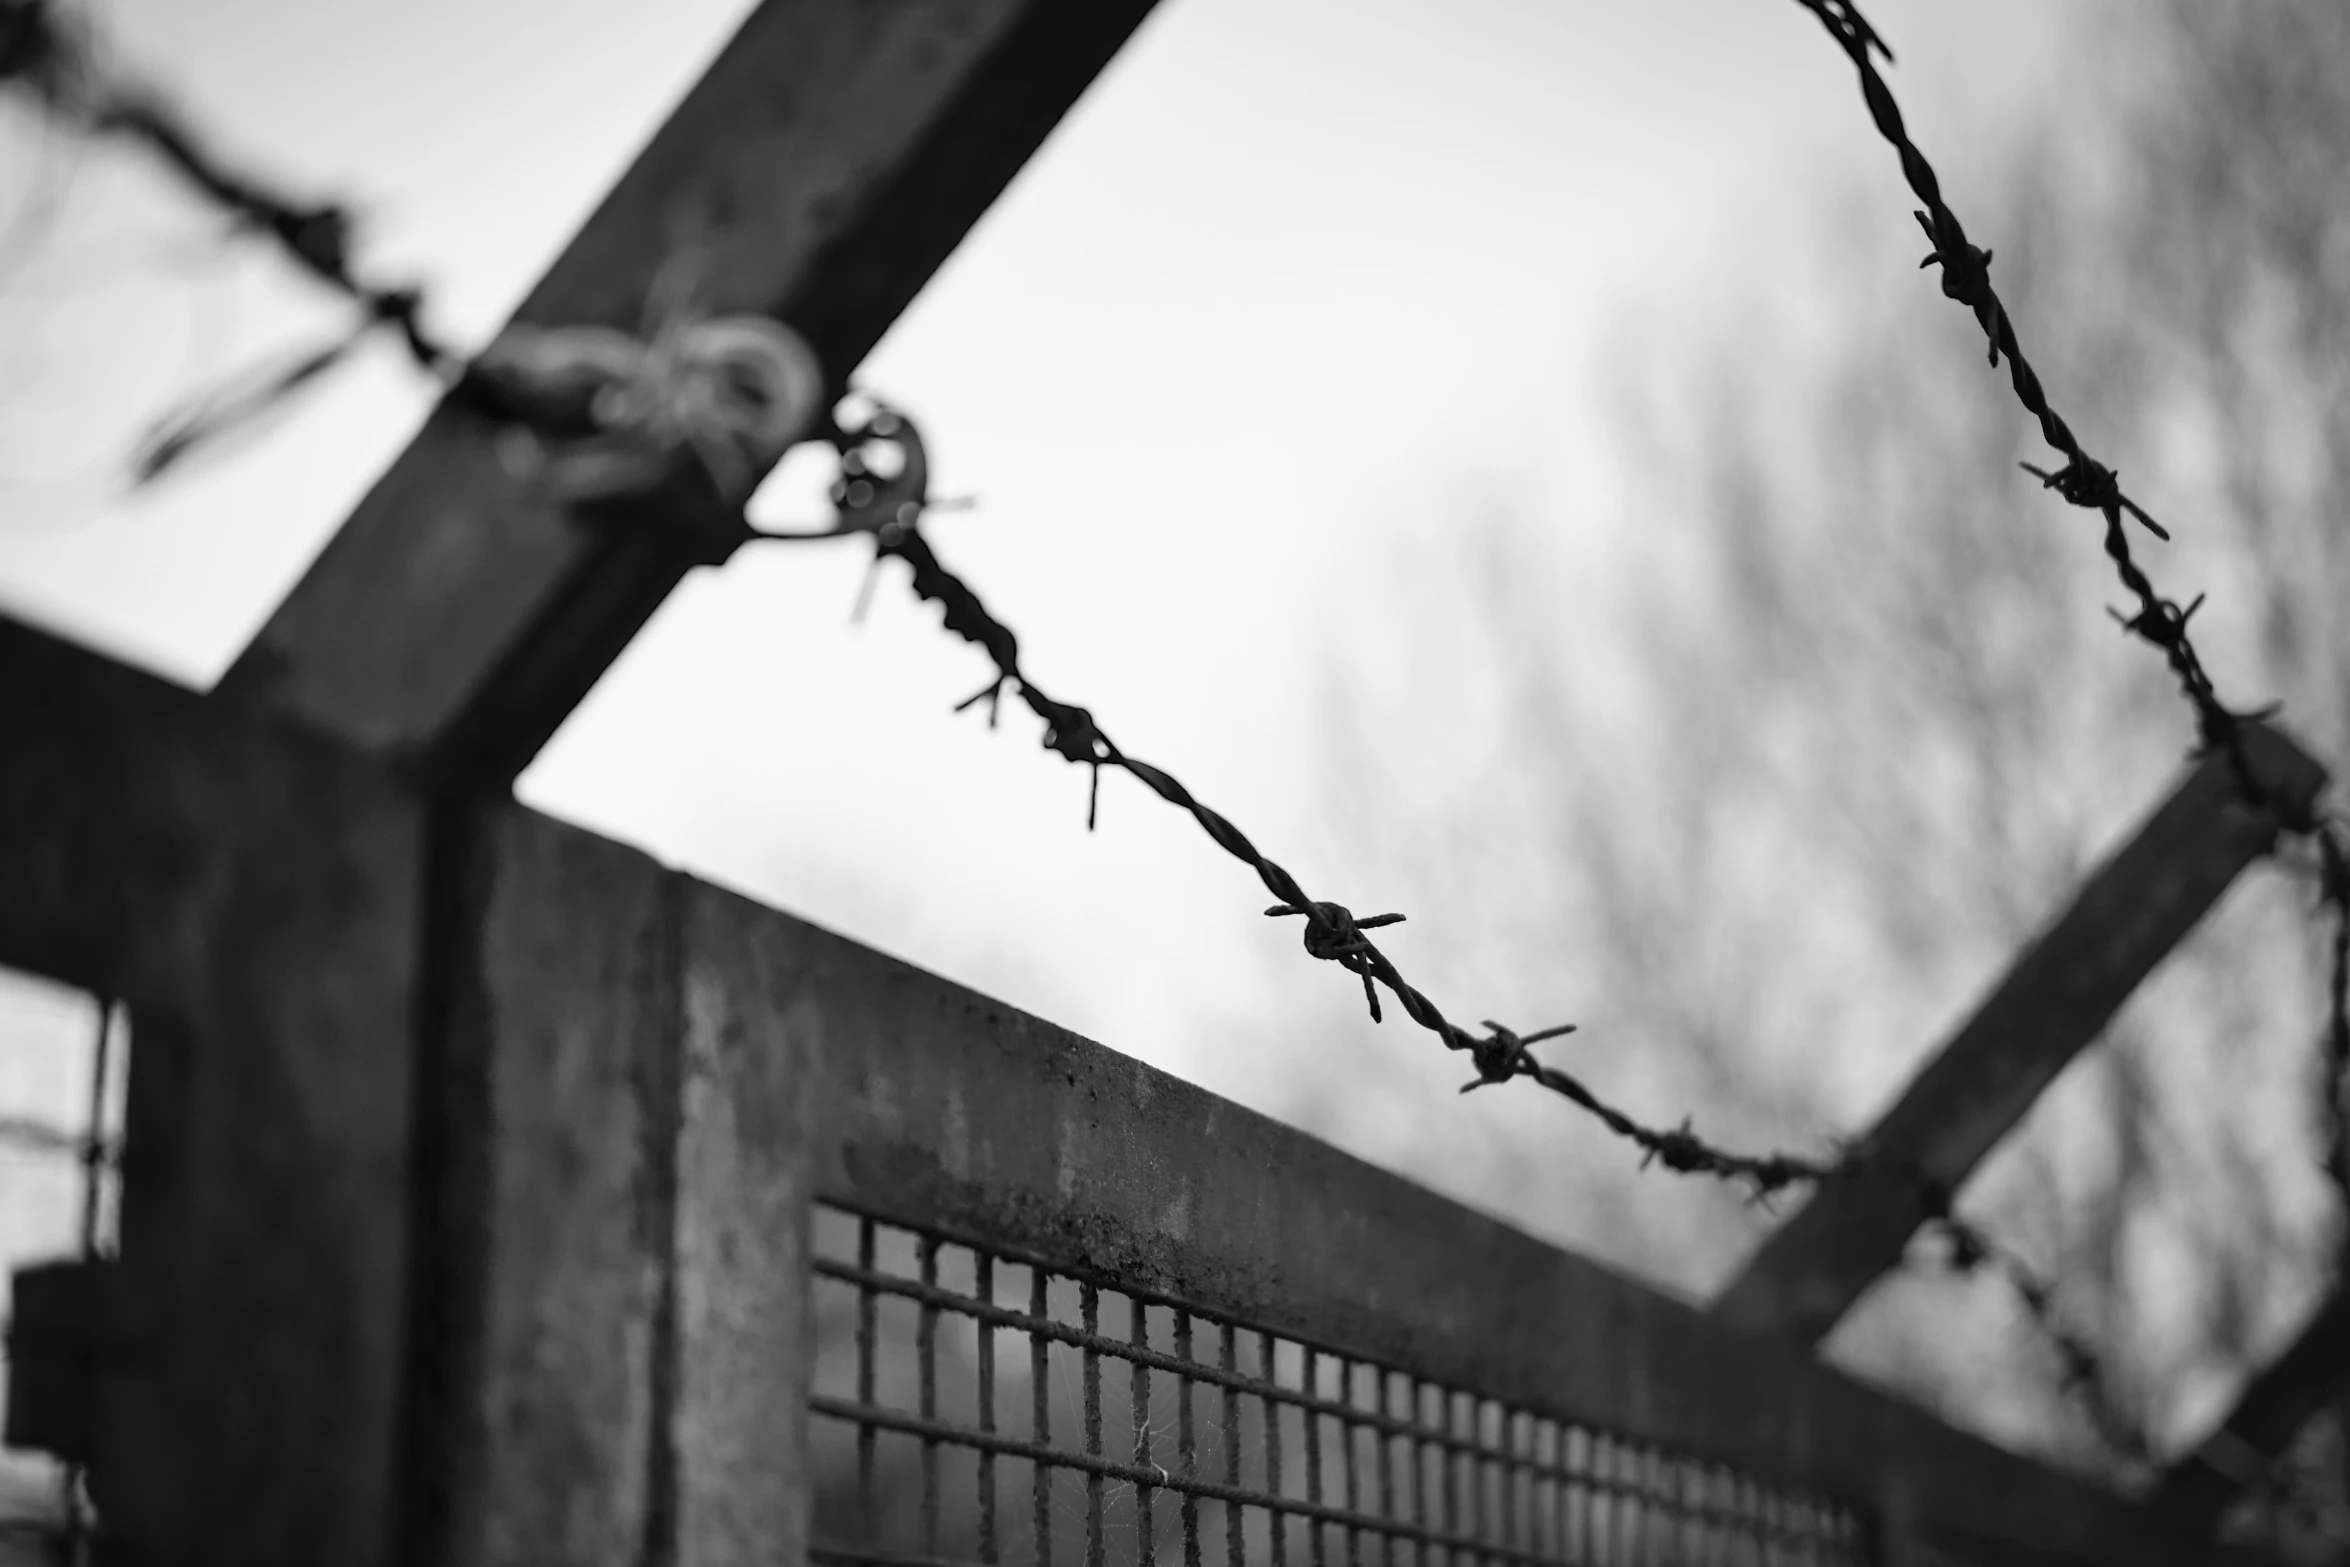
column 2160, row 622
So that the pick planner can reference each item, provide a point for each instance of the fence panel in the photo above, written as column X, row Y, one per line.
column 974, row 1134
column 979, row 1405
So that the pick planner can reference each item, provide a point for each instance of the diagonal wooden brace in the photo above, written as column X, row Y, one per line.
column 2048, row 1007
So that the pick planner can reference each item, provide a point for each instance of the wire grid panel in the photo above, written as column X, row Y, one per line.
column 61, row 1105
column 974, row 1406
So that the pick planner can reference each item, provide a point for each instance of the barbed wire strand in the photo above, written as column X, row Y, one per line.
column 34, row 50
column 889, row 508
column 2159, row 621
column 2081, row 1368
column 38, row 49
column 319, row 238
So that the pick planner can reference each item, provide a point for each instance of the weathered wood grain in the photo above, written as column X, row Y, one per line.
column 2045, row 1010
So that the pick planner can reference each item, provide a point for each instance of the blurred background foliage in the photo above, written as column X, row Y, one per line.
column 1847, row 722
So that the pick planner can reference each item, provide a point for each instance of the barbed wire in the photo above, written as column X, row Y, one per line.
column 887, row 502
column 2082, row 1373
column 733, row 391
column 2160, row 622
column 551, row 379
column 888, row 507
column 634, row 403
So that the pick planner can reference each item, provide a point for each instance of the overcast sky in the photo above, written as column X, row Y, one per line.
column 1297, row 280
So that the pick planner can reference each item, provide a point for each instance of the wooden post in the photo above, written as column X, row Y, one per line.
column 2055, row 999
column 832, row 158
column 622, row 1239
column 578, row 1395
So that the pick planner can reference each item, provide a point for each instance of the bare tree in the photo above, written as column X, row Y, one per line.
column 1838, row 719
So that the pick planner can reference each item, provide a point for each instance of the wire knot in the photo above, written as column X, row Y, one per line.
column 1680, row 1150
column 1072, row 733
column 1334, row 935
column 2162, row 622
column 733, row 391
column 1503, row 1053
column 1966, row 272
column 2088, row 483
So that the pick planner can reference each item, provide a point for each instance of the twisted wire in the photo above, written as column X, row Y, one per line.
column 2159, row 621
column 888, row 508
column 537, row 382
column 887, row 505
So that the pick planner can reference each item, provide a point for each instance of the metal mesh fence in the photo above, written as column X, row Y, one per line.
column 975, row 1406
column 61, row 1082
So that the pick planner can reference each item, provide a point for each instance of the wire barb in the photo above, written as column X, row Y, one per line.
column 1966, row 274
column 2092, row 485
column 1334, row 935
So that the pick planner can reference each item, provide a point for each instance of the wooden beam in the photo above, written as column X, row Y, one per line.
column 252, row 893
column 2056, row 999
column 2270, row 1411
column 830, row 160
